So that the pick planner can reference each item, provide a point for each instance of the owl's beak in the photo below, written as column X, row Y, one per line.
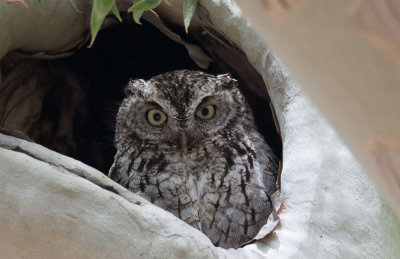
column 184, row 143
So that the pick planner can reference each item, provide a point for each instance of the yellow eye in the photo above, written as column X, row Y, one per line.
column 156, row 117
column 206, row 112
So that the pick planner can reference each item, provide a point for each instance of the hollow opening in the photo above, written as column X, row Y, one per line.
column 69, row 104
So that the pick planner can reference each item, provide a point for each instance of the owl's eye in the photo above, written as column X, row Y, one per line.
column 206, row 112
column 156, row 117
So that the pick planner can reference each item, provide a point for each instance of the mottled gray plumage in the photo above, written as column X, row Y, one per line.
column 216, row 174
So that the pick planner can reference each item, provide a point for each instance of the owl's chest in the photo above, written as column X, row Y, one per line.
column 193, row 185
column 186, row 171
column 171, row 175
column 165, row 172
column 173, row 180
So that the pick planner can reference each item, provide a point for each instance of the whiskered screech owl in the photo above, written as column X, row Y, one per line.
column 187, row 142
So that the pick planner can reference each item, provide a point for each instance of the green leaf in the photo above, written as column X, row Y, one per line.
column 167, row 2
column 189, row 7
column 99, row 11
column 75, row 7
column 115, row 11
column 144, row 5
column 137, row 15
column 140, row 6
column 40, row 2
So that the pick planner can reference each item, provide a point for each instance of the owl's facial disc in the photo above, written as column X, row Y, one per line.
column 184, row 129
column 205, row 112
column 180, row 109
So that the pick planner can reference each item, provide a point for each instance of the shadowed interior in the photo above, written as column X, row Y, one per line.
column 81, row 93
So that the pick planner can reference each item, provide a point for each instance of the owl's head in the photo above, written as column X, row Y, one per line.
column 180, row 108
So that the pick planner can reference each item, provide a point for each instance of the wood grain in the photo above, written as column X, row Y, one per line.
column 346, row 55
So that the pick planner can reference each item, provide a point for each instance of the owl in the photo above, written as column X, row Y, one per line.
column 187, row 142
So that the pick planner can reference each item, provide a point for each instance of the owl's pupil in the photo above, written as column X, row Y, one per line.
column 157, row 116
column 204, row 111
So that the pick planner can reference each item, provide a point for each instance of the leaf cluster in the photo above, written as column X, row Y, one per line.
column 101, row 8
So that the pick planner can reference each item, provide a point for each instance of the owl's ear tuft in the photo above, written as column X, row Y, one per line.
column 226, row 76
column 134, row 87
column 227, row 81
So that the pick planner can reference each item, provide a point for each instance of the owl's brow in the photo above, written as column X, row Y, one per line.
column 205, row 100
column 156, row 105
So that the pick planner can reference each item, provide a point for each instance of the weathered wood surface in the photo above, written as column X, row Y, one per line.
column 346, row 55
column 53, row 206
column 61, row 34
